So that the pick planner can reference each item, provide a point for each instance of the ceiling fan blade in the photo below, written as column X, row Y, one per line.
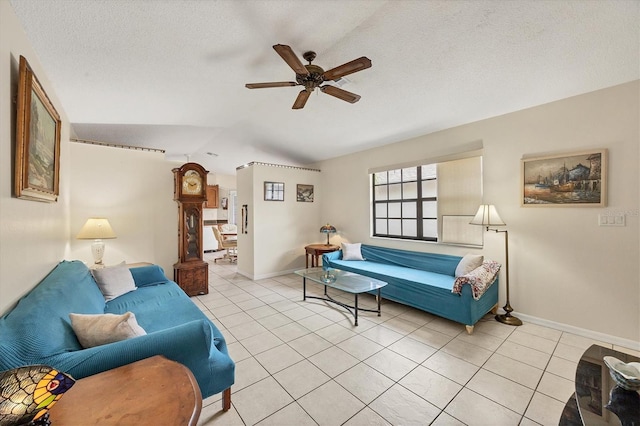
column 267, row 85
column 340, row 94
column 356, row 65
column 290, row 58
column 301, row 99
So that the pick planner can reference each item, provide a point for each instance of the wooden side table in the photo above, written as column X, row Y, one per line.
column 317, row 250
column 154, row 391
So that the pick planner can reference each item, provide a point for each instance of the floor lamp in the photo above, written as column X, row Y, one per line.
column 487, row 215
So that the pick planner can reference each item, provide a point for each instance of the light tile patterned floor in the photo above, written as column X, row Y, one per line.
column 304, row 363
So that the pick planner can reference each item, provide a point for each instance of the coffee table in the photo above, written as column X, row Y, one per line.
column 349, row 282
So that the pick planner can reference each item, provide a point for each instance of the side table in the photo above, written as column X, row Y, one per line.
column 598, row 401
column 316, row 250
column 154, row 391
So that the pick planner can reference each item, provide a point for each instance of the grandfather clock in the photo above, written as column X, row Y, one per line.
column 190, row 186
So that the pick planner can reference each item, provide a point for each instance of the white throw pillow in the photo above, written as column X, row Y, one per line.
column 96, row 330
column 351, row 251
column 468, row 263
column 114, row 281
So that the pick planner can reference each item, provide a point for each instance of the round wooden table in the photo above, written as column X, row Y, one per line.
column 317, row 250
column 154, row 391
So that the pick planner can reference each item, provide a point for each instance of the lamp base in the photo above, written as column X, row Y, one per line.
column 508, row 319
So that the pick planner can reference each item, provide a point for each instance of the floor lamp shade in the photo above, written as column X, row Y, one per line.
column 487, row 215
column 97, row 229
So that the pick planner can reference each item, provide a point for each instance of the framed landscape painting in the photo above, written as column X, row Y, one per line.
column 572, row 179
column 304, row 193
column 37, row 162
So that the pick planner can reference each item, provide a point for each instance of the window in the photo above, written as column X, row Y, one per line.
column 419, row 202
column 405, row 203
column 274, row 191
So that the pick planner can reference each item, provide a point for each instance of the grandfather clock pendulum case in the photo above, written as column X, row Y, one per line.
column 192, row 271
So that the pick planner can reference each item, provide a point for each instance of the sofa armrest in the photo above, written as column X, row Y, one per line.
column 148, row 275
column 189, row 343
column 334, row 255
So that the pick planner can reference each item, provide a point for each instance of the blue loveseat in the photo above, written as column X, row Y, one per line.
column 38, row 329
column 421, row 280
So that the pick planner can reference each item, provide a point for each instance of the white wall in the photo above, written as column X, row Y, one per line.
column 134, row 190
column 278, row 230
column 33, row 235
column 564, row 268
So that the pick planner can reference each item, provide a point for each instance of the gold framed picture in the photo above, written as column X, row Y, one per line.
column 577, row 179
column 37, row 162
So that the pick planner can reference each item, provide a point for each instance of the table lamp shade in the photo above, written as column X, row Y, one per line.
column 328, row 229
column 97, row 229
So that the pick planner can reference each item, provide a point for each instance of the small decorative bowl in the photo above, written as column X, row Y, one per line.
column 328, row 278
column 627, row 376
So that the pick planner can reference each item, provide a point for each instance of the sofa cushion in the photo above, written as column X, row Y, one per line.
column 114, row 281
column 96, row 330
column 468, row 263
column 352, row 251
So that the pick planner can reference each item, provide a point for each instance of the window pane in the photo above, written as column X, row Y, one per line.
column 381, row 210
column 395, row 227
column 429, row 188
column 379, row 178
column 409, row 210
column 395, row 192
column 381, row 226
column 381, row 192
column 429, row 209
column 394, row 209
column 429, row 171
column 395, row 176
column 410, row 228
column 410, row 190
column 410, row 173
column 430, row 228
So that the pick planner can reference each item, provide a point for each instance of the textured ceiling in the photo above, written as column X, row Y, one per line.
column 170, row 74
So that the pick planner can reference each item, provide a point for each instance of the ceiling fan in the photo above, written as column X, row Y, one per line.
column 312, row 76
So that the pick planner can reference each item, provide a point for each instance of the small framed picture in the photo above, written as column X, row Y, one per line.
column 304, row 193
column 274, row 191
column 577, row 179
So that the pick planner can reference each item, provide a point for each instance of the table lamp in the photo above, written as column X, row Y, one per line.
column 328, row 229
column 97, row 229
column 487, row 215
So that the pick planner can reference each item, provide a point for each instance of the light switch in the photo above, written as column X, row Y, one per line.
column 611, row 220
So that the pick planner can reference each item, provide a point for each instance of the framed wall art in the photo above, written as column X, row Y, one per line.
column 571, row 179
column 304, row 193
column 37, row 162
column 274, row 191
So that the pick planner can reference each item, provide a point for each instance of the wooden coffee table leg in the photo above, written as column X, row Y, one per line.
column 226, row 399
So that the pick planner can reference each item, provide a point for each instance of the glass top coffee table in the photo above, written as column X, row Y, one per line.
column 349, row 282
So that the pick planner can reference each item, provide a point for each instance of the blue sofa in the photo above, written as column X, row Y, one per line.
column 421, row 280
column 38, row 329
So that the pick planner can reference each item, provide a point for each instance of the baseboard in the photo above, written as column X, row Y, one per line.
column 614, row 340
column 266, row 276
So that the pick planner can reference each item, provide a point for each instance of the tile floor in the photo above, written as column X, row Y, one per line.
column 304, row 363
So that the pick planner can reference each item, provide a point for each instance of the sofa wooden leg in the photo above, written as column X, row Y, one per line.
column 469, row 329
column 494, row 310
column 226, row 399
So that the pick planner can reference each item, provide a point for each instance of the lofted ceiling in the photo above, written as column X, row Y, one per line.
column 170, row 74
